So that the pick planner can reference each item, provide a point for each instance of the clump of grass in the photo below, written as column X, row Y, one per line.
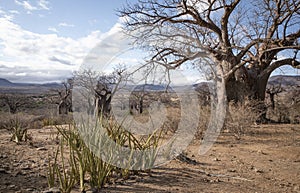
column 17, row 126
column 76, row 162
column 57, row 120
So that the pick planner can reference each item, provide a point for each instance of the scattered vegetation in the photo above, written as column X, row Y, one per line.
column 241, row 116
column 75, row 163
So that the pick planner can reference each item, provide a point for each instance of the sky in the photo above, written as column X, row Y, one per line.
column 45, row 41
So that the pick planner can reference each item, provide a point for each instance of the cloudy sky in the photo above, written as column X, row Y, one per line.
column 44, row 41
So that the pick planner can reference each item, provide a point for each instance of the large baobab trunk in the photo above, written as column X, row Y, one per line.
column 252, row 86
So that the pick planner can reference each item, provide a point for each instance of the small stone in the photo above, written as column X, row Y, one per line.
column 26, row 168
column 232, row 170
column 258, row 170
column 52, row 190
column 41, row 149
column 3, row 171
column 214, row 181
column 93, row 190
column 261, row 152
column 11, row 186
column 216, row 159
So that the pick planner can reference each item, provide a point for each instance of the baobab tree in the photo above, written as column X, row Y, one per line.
column 244, row 41
column 97, row 89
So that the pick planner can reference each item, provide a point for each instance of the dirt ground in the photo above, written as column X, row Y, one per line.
column 265, row 159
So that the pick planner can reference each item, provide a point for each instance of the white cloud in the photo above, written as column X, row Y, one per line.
column 40, row 5
column 44, row 4
column 93, row 22
column 45, row 57
column 63, row 24
column 26, row 5
column 53, row 29
column 14, row 12
column 8, row 16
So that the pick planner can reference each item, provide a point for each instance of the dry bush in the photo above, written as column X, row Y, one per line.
column 205, row 112
column 285, row 113
column 241, row 116
column 17, row 125
column 295, row 113
column 57, row 120
column 172, row 120
column 286, row 108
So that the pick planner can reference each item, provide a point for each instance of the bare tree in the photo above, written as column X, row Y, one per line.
column 65, row 97
column 272, row 91
column 107, row 86
column 86, row 80
column 99, row 89
column 244, row 41
column 136, row 101
column 13, row 101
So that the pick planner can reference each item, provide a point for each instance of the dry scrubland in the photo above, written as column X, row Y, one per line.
column 39, row 152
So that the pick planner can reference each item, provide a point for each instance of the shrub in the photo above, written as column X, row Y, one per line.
column 17, row 125
column 241, row 116
column 74, row 161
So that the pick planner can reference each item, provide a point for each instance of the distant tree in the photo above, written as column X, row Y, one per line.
column 65, row 97
column 99, row 89
column 136, row 101
column 295, row 95
column 272, row 91
column 13, row 101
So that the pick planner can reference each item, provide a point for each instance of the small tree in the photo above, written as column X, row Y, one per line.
column 13, row 102
column 65, row 97
column 272, row 91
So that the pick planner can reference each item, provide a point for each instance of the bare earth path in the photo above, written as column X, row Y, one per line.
column 265, row 159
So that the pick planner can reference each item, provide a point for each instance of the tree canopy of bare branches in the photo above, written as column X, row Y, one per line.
column 97, row 89
column 245, row 41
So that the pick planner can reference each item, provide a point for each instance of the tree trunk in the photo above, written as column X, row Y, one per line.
column 237, row 91
column 250, row 88
column 62, row 108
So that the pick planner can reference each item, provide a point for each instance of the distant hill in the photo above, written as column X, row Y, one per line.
column 4, row 82
column 7, row 86
column 284, row 80
column 149, row 87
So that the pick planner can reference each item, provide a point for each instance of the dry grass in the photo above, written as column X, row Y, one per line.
column 240, row 117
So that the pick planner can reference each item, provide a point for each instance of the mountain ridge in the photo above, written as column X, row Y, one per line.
column 6, row 83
